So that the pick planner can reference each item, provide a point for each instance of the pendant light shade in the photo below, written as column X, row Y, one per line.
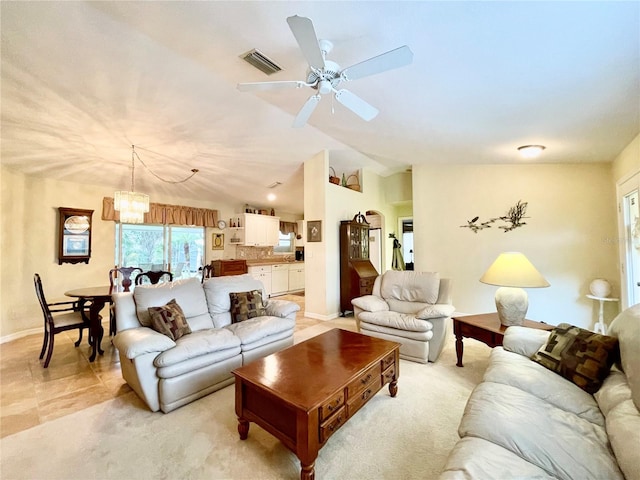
column 132, row 205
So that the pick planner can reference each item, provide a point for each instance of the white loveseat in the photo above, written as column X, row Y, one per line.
column 167, row 374
column 412, row 308
column 525, row 421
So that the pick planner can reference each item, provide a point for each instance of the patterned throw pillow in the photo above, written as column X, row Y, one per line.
column 245, row 305
column 579, row 355
column 169, row 320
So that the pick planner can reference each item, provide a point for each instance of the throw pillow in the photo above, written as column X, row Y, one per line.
column 245, row 305
column 579, row 355
column 169, row 320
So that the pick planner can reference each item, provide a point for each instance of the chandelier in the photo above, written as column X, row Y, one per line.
column 132, row 205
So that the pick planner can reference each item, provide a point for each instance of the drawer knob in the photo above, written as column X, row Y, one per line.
column 366, row 394
column 366, row 379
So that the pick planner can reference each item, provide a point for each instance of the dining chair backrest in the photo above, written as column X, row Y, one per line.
column 125, row 273
column 68, row 316
column 207, row 272
column 154, row 277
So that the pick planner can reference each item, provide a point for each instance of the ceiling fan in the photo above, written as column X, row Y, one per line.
column 325, row 76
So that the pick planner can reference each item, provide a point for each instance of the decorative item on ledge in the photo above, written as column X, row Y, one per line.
column 332, row 177
column 353, row 186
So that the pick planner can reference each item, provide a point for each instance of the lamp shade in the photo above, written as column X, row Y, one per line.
column 513, row 269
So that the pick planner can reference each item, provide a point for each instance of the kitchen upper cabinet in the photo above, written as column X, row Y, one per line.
column 261, row 230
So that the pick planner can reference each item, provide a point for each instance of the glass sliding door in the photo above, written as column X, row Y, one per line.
column 178, row 249
column 629, row 224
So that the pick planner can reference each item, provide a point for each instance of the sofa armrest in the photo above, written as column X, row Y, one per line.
column 134, row 342
column 370, row 303
column 281, row 308
column 435, row 311
column 523, row 340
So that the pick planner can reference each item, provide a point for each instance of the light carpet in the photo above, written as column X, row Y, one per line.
column 406, row 437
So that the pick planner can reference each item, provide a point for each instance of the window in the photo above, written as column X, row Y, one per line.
column 286, row 243
column 178, row 249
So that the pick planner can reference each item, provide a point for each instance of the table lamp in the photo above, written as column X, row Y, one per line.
column 512, row 272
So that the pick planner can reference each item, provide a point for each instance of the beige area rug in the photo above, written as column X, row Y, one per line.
column 407, row 437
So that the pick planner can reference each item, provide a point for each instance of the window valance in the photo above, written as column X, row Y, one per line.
column 288, row 227
column 167, row 214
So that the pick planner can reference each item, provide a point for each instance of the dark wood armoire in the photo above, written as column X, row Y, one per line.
column 357, row 273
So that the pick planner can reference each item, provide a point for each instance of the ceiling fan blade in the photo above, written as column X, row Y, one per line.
column 302, row 28
column 247, row 87
column 386, row 61
column 356, row 105
column 306, row 111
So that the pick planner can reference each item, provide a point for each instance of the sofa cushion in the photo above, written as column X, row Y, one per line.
column 623, row 422
column 217, row 290
column 626, row 327
column 561, row 443
column 435, row 311
column 579, row 355
column 410, row 286
column 169, row 320
column 518, row 371
column 188, row 293
column 254, row 329
column 370, row 303
column 246, row 305
column 198, row 343
column 400, row 321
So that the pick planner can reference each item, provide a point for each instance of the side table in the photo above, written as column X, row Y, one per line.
column 485, row 328
column 600, row 326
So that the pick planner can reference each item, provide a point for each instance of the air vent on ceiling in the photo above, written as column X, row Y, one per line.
column 261, row 61
column 274, row 185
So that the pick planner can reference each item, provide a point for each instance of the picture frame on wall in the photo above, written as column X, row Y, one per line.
column 217, row 241
column 314, row 231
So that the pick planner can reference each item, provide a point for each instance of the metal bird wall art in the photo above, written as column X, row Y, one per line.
column 513, row 219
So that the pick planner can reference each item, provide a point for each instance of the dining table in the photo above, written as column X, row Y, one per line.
column 98, row 298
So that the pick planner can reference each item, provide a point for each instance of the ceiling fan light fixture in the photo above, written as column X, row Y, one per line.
column 531, row 151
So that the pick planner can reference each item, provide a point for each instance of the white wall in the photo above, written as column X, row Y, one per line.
column 628, row 162
column 29, row 232
column 569, row 236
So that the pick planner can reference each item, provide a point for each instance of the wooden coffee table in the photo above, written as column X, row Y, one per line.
column 485, row 328
column 303, row 394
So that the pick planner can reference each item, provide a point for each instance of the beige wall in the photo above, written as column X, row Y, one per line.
column 628, row 162
column 569, row 236
column 29, row 232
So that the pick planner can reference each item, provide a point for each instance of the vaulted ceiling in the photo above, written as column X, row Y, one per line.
column 83, row 81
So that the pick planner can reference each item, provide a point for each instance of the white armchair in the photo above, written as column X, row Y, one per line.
column 412, row 308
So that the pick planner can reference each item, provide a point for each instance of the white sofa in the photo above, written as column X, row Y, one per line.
column 167, row 374
column 525, row 421
column 412, row 308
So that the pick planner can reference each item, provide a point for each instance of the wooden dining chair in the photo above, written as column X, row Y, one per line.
column 154, row 277
column 58, row 317
column 125, row 282
column 207, row 272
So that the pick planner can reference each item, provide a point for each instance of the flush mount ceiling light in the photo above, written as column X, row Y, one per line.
column 531, row 151
column 271, row 197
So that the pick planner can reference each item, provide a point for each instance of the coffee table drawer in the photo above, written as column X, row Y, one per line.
column 329, row 407
column 388, row 360
column 354, row 403
column 389, row 374
column 364, row 380
column 330, row 426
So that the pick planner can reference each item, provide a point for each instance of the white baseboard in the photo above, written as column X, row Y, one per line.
column 317, row 316
column 22, row 334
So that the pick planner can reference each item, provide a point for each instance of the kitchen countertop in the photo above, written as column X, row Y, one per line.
column 263, row 262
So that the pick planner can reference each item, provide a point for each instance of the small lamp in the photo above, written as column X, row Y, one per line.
column 512, row 272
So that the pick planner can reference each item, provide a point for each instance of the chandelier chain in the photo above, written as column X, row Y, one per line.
column 134, row 155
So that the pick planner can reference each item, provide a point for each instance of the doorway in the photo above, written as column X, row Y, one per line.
column 406, row 227
column 629, row 230
column 375, row 221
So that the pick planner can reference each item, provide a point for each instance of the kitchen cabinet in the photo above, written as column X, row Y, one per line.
column 262, row 273
column 261, row 230
column 279, row 278
column 296, row 277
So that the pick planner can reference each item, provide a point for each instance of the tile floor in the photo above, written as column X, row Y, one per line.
column 31, row 395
